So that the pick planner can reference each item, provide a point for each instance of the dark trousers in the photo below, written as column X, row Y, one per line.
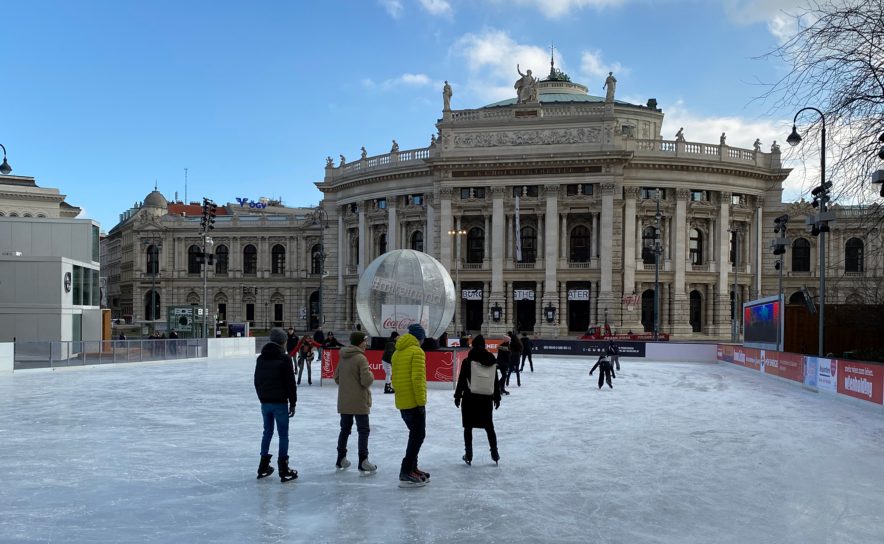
column 527, row 355
column 301, row 361
column 416, row 421
column 504, row 370
column 362, row 429
column 604, row 376
column 514, row 367
column 468, row 438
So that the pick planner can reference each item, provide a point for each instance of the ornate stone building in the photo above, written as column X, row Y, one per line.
column 265, row 267
column 545, row 211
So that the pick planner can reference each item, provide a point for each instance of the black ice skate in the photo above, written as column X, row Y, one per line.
column 285, row 473
column 264, row 468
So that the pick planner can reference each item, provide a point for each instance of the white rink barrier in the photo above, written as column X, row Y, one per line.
column 7, row 356
column 680, row 352
column 227, row 348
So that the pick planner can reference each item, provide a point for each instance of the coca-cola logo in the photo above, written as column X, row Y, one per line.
column 397, row 323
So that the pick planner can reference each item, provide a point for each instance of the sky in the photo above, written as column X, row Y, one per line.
column 104, row 99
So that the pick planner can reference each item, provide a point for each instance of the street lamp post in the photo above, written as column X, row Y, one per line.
column 821, row 225
column 457, row 233
column 735, row 315
column 320, row 217
column 779, row 249
column 207, row 225
column 657, row 251
column 4, row 168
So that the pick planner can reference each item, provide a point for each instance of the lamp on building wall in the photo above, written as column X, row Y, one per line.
column 496, row 312
column 550, row 312
column 4, row 168
column 820, row 221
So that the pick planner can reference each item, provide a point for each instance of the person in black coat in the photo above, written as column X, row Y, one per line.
column 613, row 352
column 606, row 371
column 526, row 352
column 503, row 362
column 515, row 355
column 476, row 410
column 275, row 386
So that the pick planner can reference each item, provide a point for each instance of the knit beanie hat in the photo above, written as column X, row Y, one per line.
column 417, row 331
column 356, row 337
column 479, row 342
column 278, row 336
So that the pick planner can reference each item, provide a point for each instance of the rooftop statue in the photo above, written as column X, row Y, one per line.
column 526, row 87
column 343, row 161
column 446, row 97
column 329, row 163
column 757, row 144
column 610, row 84
column 364, row 153
column 723, row 139
column 395, row 148
column 679, row 136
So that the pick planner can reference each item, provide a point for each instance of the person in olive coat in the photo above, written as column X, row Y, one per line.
column 354, row 379
column 476, row 410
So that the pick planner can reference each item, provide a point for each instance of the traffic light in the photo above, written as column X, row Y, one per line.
column 213, row 209
column 204, row 222
column 779, row 243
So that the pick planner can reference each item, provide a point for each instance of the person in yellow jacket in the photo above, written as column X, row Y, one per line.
column 410, row 386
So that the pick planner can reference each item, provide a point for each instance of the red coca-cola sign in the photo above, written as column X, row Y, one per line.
column 397, row 323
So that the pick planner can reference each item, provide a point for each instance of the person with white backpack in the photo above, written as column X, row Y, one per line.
column 478, row 395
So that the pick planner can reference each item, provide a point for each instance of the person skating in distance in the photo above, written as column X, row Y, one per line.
column 606, row 371
column 613, row 352
column 503, row 362
column 477, row 392
column 275, row 386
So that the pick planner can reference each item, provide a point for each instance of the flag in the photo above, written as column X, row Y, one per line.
column 518, row 234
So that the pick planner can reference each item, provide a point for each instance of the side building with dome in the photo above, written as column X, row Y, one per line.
column 545, row 210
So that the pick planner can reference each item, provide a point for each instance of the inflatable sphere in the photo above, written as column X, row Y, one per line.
column 402, row 287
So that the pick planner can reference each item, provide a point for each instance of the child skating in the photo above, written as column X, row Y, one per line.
column 606, row 371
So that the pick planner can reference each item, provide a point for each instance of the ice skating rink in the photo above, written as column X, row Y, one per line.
column 676, row 453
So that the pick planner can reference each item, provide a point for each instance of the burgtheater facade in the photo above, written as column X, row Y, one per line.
column 543, row 208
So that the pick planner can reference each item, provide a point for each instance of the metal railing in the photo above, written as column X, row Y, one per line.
column 55, row 354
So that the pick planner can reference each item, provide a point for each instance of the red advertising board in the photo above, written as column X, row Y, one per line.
column 726, row 353
column 440, row 364
column 861, row 380
column 747, row 357
column 784, row 365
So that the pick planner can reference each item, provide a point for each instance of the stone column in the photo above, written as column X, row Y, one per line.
column 593, row 239
column 606, row 248
column 507, row 232
column 392, row 225
column 363, row 241
column 631, row 318
column 680, row 304
column 445, row 226
column 551, row 261
column 498, row 296
column 429, row 234
column 564, row 255
column 343, row 246
column 486, row 242
column 723, row 302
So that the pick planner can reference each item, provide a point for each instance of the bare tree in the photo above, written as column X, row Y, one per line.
column 836, row 57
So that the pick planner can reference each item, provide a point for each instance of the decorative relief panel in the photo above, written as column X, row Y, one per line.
column 528, row 137
column 631, row 192
column 607, row 188
column 682, row 194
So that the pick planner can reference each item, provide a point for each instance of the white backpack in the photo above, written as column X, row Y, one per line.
column 482, row 378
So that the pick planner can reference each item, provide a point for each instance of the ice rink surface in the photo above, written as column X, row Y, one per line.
column 675, row 453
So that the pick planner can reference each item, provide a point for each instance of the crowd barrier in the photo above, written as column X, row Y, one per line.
column 843, row 377
column 441, row 365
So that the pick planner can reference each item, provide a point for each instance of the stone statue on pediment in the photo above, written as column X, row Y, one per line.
column 364, row 153
column 774, row 148
column 679, row 136
column 329, row 163
column 343, row 161
column 446, row 97
column 610, row 85
column 723, row 139
column 757, row 145
column 526, row 87
column 395, row 147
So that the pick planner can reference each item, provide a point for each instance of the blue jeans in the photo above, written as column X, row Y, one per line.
column 279, row 413
column 416, row 421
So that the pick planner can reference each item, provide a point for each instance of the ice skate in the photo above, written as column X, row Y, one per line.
column 264, row 468
column 367, row 468
column 495, row 456
column 285, row 473
column 410, row 479
column 468, row 459
column 342, row 463
column 388, row 389
column 422, row 474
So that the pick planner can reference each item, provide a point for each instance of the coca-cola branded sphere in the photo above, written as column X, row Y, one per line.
column 402, row 287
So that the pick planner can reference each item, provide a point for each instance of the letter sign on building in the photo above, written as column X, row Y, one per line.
column 578, row 294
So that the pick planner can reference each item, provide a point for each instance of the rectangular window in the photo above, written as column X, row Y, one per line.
column 417, row 200
column 96, row 290
column 96, row 244
column 277, row 315
column 250, row 312
column 525, row 190
column 467, row 193
column 650, row 193
column 381, row 203
column 222, row 311
column 579, row 189
column 736, row 199
column 87, row 287
column 77, row 286
column 698, row 196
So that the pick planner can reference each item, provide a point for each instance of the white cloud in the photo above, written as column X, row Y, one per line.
column 414, row 80
column 774, row 13
column 393, row 7
column 437, row 7
column 368, row 83
column 555, row 9
column 592, row 65
column 492, row 57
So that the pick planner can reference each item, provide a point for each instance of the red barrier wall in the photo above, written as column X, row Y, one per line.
column 440, row 364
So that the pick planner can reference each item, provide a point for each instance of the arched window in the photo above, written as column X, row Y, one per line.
column 382, row 244
column 801, row 255
column 529, row 244
column 853, row 255
column 249, row 260
column 151, row 305
column 277, row 255
column 796, row 298
column 315, row 259
column 579, row 245
column 475, row 245
column 222, row 258
column 153, row 259
column 194, row 255
column 649, row 237
column 696, row 247
column 417, row 241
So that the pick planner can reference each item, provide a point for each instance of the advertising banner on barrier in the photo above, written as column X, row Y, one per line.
column 440, row 364
column 785, row 365
column 861, row 381
column 827, row 374
column 811, row 366
column 747, row 357
column 585, row 348
column 726, row 353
